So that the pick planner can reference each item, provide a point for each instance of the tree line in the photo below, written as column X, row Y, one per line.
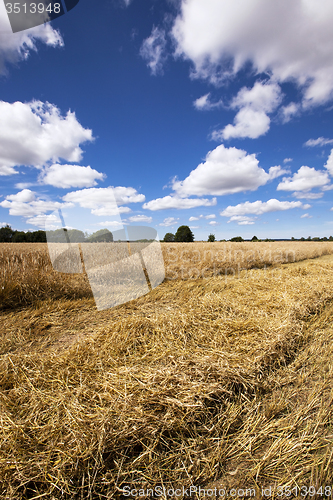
column 184, row 234
column 9, row 235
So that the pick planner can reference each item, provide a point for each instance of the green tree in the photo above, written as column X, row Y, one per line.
column 237, row 238
column 103, row 235
column 254, row 238
column 19, row 237
column 169, row 237
column 211, row 237
column 184, row 234
column 6, row 234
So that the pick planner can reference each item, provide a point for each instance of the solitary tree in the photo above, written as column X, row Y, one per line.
column 211, row 237
column 237, row 238
column 169, row 237
column 254, row 238
column 184, row 234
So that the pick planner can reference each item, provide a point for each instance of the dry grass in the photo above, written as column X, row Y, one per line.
column 201, row 382
column 27, row 275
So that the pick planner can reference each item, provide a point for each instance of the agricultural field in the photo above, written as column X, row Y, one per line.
column 221, row 377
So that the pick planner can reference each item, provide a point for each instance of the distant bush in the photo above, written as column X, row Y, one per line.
column 237, row 238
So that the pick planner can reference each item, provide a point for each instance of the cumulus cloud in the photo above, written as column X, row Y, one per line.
column 153, row 50
column 204, row 103
column 102, row 199
column 168, row 202
column 211, row 216
column 321, row 141
column 40, row 220
column 260, row 207
column 169, row 221
column 141, row 218
column 307, row 195
column 68, row 176
column 212, row 222
column 329, row 163
column 242, row 220
column 36, row 133
column 292, row 41
column 306, row 216
column 15, row 47
column 113, row 223
column 226, row 171
column 26, row 204
column 252, row 120
column 305, row 179
column 289, row 111
column 287, row 160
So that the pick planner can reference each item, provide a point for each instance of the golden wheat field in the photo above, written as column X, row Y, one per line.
column 220, row 378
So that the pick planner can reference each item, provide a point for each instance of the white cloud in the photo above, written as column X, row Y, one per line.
column 211, row 216
column 35, row 133
column 24, row 196
column 329, row 163
column 263, row 96
column 68, row 176
column 287, row 160
column 40, row 221
column 179, row 203
column 288, row 40
column 321, row 141
column 110, row 209
column 226, row 171
column 242, row 220
column 306, row 216
column 26, row 204
column 247, row 123
column 113, row 223
column 141, row 218
column 105, row 201
column 153, row 50
column 253, row 104
column 212, row 222
column 304, row 179
column 307, row 195
column 24, row 185
column 15, row 47
column 260, row 207
column 3, row 224
column 169, row 221
column 289, row 111
column 204, row 103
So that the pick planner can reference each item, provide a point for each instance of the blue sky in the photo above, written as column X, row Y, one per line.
column 217, row 115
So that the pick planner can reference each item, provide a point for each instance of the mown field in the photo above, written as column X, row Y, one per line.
column 221, row 377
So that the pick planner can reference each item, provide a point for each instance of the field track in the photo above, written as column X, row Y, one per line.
column 225, row 381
